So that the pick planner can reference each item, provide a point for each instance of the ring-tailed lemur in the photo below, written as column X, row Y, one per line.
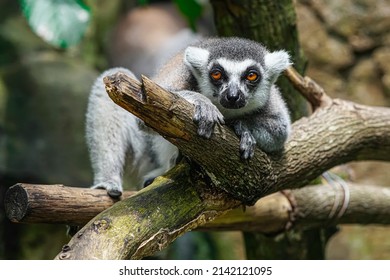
column 227, row 79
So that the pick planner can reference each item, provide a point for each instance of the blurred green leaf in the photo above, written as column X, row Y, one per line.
column 143, row 2
column 61, row 23
column 191, row 9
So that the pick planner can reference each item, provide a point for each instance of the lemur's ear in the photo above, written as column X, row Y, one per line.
column 276, row 62
column 196, row 59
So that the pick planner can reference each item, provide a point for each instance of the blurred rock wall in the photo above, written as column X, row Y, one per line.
column 347, row 44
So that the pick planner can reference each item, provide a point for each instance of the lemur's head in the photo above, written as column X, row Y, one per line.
column 235, row 73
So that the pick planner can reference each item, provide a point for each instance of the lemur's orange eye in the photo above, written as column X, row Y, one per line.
column 252, row 76
column 216, row 75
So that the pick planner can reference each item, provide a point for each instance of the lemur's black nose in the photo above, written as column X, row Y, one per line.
column 232, row 96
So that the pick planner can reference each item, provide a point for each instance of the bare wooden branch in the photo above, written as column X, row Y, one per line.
column 187, row 198
column 312, row 91
column 148, row 221
column 350, row 132
column 57, row 204
column 313, row 206
column 190, row 195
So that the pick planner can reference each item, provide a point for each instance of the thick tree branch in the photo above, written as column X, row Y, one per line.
column 340, row 132
column 188, row 197
column 304, row 208
column 56, row 204
column 309, row 207
column 147, row 222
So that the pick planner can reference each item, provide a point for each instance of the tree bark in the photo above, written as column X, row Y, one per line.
column 56, row 204
column 147, row 222
column 351, row 132
column 310, row 207
column 189, row 196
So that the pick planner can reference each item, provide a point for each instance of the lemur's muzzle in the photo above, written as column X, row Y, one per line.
column 232, row 98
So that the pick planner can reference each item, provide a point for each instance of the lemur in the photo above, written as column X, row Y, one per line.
column 227, row 79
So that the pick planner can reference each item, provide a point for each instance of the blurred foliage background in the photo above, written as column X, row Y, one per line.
column 46, row 75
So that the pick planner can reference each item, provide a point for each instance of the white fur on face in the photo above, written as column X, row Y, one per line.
column 235, row 70
column 196, row 59
column 275, row 62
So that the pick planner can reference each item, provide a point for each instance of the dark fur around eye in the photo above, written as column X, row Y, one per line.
column 215, row 69
column 252, row 71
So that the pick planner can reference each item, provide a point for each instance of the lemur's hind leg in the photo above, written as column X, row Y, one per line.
column 108, row 136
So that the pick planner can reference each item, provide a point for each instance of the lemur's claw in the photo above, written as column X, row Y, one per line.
column 207, row 116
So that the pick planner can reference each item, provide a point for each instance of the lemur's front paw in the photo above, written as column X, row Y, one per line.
column 247, row 141
column 247, row 145
column 113, row 188
column 206, row 117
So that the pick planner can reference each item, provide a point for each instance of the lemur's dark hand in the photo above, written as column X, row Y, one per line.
column 247, row 145
column 247, row 141
column 206, row 117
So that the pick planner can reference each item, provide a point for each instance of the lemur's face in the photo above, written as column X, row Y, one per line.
column 235, row 74
column 233, row 83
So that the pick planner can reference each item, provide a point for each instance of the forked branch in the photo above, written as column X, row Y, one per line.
column 191, row 195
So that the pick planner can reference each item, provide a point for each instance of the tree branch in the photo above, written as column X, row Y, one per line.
column 310, row 207
column 56, row 204
column 340, row 132
column 188, row 197
column 147, row 222
column 313, row 93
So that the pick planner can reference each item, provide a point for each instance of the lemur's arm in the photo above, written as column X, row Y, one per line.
column 206, row 114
